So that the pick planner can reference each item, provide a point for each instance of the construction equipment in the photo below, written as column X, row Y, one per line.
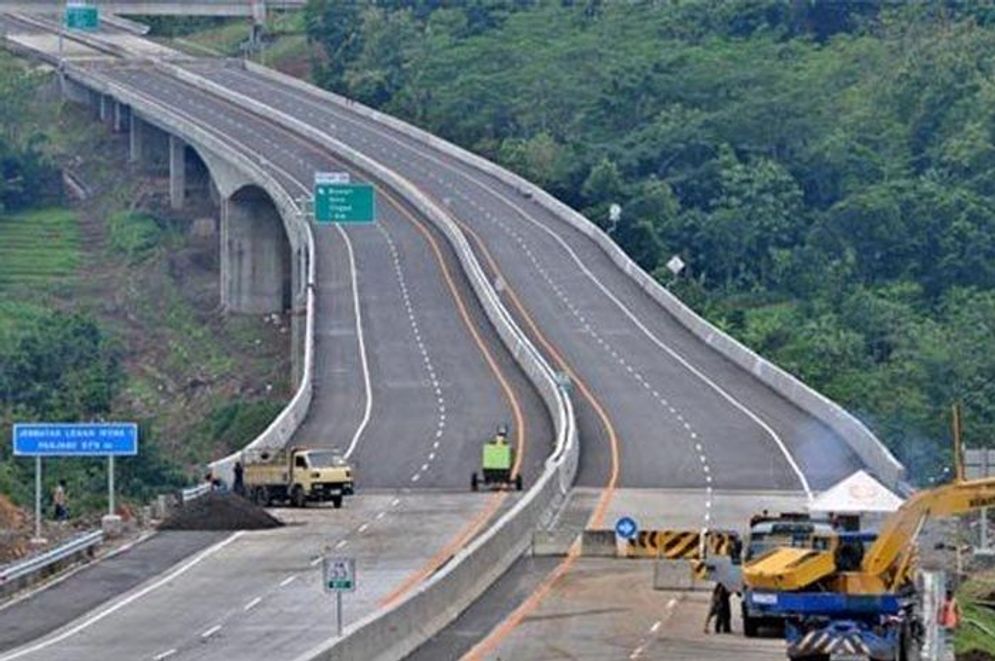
column 498, row 461
column 297, row 476
column 854, row 592
column 722, row 557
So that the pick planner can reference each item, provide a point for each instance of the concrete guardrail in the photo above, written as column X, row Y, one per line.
column 395, row 632
column 868, row 447
column 16, row 576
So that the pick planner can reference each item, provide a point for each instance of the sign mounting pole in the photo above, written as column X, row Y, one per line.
column 38, row 497
column 110, row 484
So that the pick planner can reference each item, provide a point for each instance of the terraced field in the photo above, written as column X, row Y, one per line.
column 38, row 247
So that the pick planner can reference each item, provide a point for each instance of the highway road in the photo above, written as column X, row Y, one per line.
column 656, row 406
column 684, row 415
column 410, row 379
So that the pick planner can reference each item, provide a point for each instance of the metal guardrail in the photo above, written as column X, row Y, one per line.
column 193, row 493
column 44, row 560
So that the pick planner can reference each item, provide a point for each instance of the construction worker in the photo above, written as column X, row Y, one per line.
column 501, row 438
column 60, row 502
column 238, row 486
column 720, row 609
column 949, row 615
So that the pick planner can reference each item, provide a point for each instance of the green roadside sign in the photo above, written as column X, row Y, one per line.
column 82, row 17
column 336, row 202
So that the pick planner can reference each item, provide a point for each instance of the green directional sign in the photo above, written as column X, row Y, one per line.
column 82, row 17
column 343, row 203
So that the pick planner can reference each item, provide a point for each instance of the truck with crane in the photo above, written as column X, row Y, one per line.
column 853, row 594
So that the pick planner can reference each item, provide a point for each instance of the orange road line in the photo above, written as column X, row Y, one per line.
column 474, row 526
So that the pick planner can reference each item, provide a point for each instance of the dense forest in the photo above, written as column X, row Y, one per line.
column 26, row 177
column 825, row 168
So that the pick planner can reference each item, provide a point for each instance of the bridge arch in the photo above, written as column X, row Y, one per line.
column 257, row 265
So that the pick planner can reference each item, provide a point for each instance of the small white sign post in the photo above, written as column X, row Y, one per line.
column 675, row 264
column 339, row 575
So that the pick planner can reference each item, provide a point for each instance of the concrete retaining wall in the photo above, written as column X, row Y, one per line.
column 870, row 450
column 435, row 603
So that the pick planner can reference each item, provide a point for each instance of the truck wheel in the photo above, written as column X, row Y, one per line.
column 260, row 496
column 297, row 498
column 474, row 484
column 337, row 502
column 749, row 625
column 518, row 482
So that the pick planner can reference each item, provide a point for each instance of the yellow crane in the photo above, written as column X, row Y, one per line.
column 854, row 593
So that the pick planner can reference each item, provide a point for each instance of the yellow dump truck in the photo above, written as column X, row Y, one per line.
column 297, row 476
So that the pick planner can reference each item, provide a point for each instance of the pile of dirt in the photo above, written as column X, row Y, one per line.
column 13, row 531
column 220, row 511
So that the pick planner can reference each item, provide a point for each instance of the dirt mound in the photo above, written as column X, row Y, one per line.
column 220, row 511
column 13, row 531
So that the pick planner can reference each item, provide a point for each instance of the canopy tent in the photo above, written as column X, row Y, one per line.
column 857, row 494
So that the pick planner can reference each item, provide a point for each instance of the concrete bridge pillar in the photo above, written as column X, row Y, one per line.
column 120, row 116
column 149, row 145
column 256, row 260
column 104, row 108
column 177, row 172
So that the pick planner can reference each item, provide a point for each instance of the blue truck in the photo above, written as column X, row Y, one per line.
column 824, row 626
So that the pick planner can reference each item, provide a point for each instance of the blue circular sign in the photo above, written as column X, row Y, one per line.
column 626, row 527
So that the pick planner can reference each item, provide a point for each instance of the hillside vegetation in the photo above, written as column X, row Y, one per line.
column 109, row 310
column 824, row 168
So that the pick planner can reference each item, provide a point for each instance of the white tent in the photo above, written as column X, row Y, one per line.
column 857, row 494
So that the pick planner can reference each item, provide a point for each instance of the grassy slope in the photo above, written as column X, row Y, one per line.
column 38, row 246
column 287, row 50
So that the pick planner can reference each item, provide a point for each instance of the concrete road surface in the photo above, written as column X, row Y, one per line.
column 410, row 378
column 608, row 609
column 652, row 509
column 258, row 594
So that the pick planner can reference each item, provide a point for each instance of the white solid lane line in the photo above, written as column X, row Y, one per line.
column 357, row 312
